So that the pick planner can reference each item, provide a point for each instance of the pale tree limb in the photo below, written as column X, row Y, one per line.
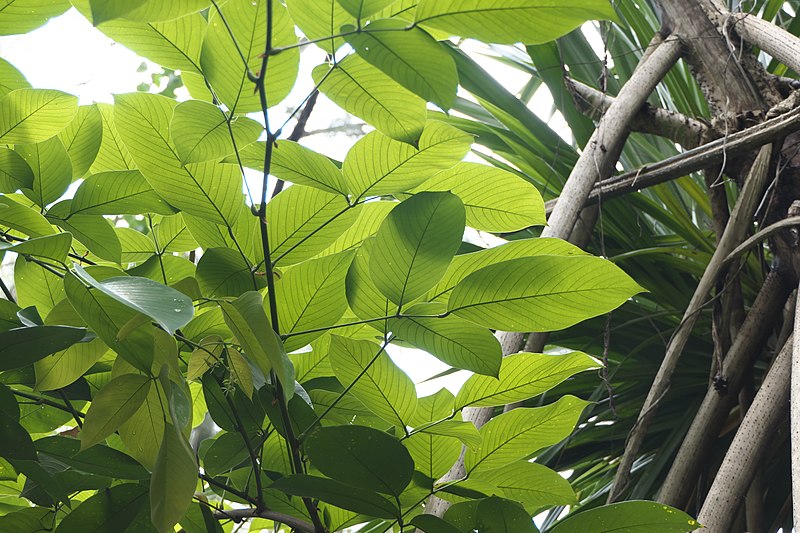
column 704, row 156
column 596, row 162
column 772, row 39
column 748, row 448
column 713, row 411
column 239, row 515
column 740, row 221
column 687, row 131
column 794, row 421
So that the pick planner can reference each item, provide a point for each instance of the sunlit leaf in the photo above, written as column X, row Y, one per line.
column 631, row 516
column 113, row 405
column 34, row 115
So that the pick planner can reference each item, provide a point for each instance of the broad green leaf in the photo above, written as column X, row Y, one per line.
column 205, row 356
column 311, row 296
column 295, row 163
column 136, row 247
column 200, row 132
column 522, row 376
column 82, row 138
column 99, row 459
column 304, row 221
column 249, row 323
column 53, row 247
column 453, row 340
column 114, row 508
column 107, row 317
column 15, row 173
column 34, row 115
column 103, row 10
column 383, row 388
column 378, row 165
column 320, row 18
column 145, row 10
column 67, row 366
column 496, row 200
column 411, row 57
column 463, row 431
column 414, row 245
column 113, row 154
column 36, row 286
column 364, row 91
column 173, row 235
column 544, row 293
column 116, row 402
column 225, row 453
column 364, row 8
column 520, row 433
column 433, row 524
column 510, row 21
column 362, row 457
column 174, row 480
column 244, row 236
column 223, row 67
column 117, row 193
column 630, row 516
column 361, row 501
column 498, row 515
column 224, row 272
column 11, row 78
column 370, row 218
column 465, row 264
column 240, row 372
column 15, row 441
column 533, row 485
column 433, row 454
column 27, row 518
column 15, row 215
column 52, row 170
column 170, row 308
column 209, row 190
column 95, row 232
column 22, row 16
column 20, row 347
column 365, row 300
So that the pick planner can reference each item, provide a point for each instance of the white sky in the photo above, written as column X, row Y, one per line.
column 69, row 54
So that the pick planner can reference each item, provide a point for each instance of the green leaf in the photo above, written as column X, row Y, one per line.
column 383, row 388
column 320, row 18
column 631, row 517
column 144, row 10
column 531, row 484
column 364, row 91
column 123, row 192
column 463, row 431
column 15, row 441
column 116, row 402
column 113, row 154
column 544, row 293
column 22, row 16
column 209, row 190
column 519, row 433
column 225, row 453
column 36, row 286
column 415, row 244
column 453, row 340
column 223, row 272
column 510, row 21
column 365, row 300
column 498, row 515
column 34, row 115
column 170, row 308
column 67, row 366
column 94, row 232
column 465, row 264
column 82, row 138
column 522, row 376
column 11, row 78
column 411, row 57
column 15, row 173
column 174, row 480
column 433, row 454
column 311, row 296
column 99, row 459
column 20, row 347
column 496, row 200
column 14, row 214
column 222, row 64
column 370, row 217
column 336, row 493
column 378, row 165
column 200, row 132
column 433, row 524
column 52, row 170
column 53, row 247
column 364, row 8
column 103, row 10
column 249, row 323
column 310, row 220
column 114, row 508
column 362, row 457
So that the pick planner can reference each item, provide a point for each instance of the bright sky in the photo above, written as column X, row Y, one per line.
column 70, row 55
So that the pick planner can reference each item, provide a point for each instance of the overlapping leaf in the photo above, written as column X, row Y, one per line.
column 34, row 115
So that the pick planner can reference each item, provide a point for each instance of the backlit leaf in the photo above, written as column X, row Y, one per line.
column 34, row 115
column 174, row 480
column 113, row 405
column 630, row 516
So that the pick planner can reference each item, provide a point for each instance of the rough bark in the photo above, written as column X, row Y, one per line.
column 748, row 447
column 794, row 420
column 774, row 40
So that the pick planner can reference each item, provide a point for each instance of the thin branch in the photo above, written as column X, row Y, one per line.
column 6, row 291
column 74, row 412
column 239, row 515
column 43, row 400
column 227, row 488
column 250, row 74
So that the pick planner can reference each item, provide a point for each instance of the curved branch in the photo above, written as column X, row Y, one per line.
column 238, row 515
